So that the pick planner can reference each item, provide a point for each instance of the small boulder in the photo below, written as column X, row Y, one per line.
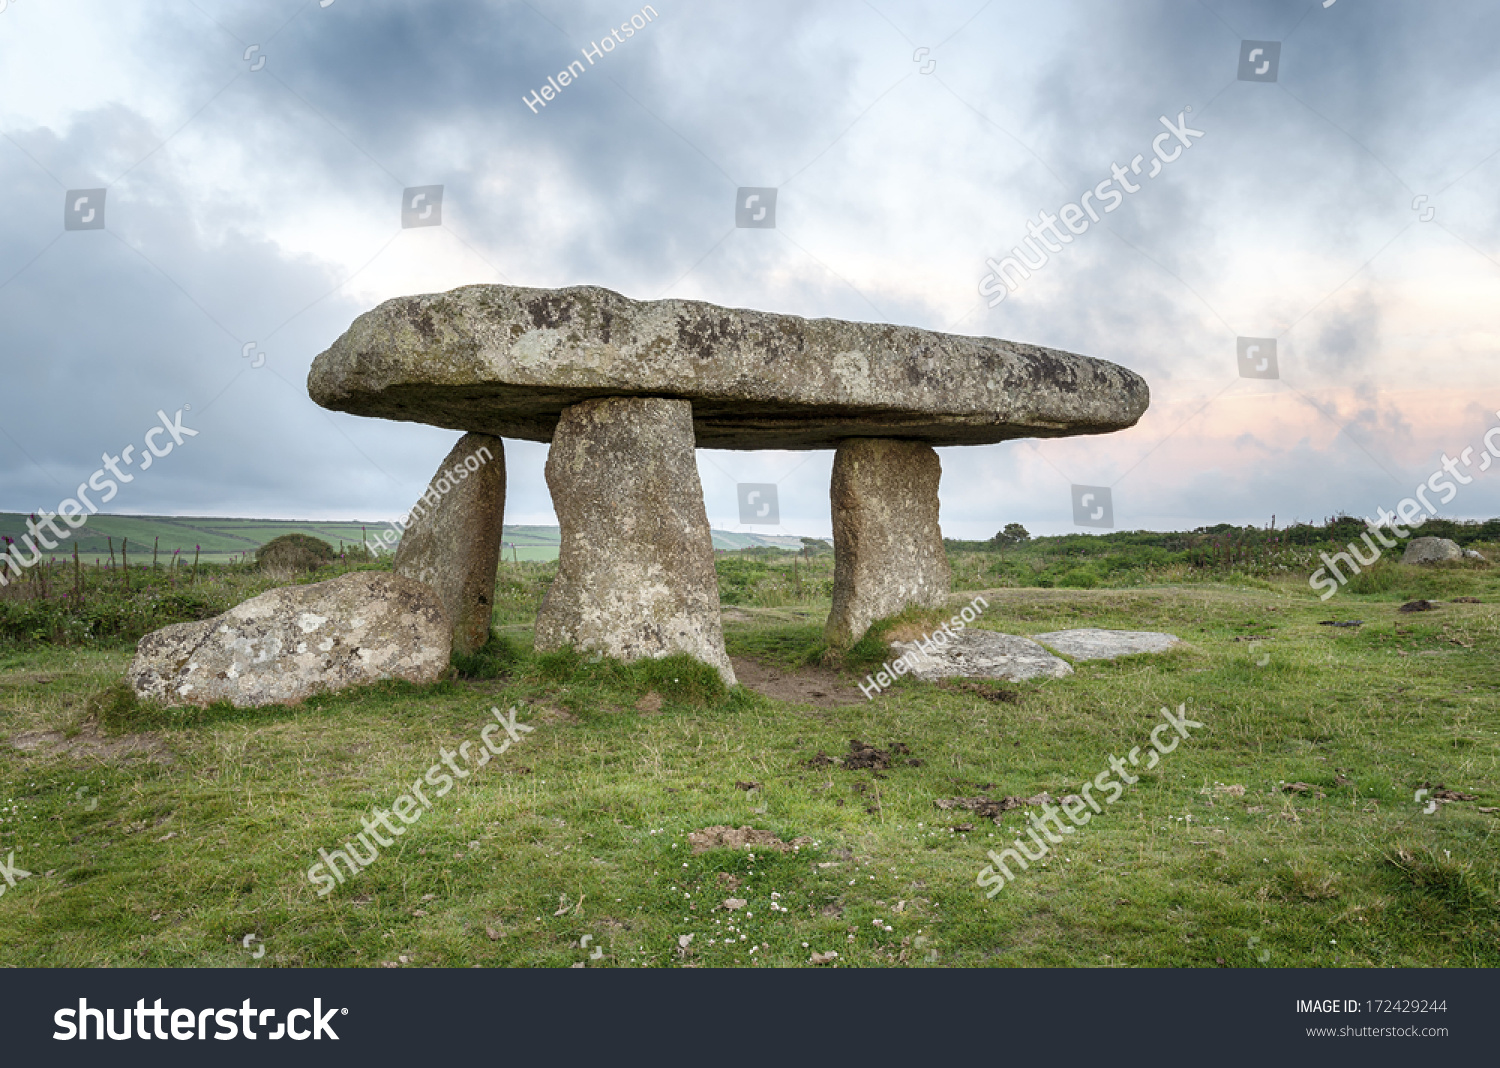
column 290, row 643
column 1431, row 551
column 981, row 654
column 1474, row 554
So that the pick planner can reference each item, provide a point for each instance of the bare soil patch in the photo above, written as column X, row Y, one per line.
column 818, row 686
column 993, row 808
column 90, row 744
column 720, row 837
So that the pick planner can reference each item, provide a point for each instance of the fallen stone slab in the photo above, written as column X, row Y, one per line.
column 1431, row 551
column 506, row 360
column 635, row 567
column 982, row 654
column 1092, row 643
column 287, row 644
column 452, row 536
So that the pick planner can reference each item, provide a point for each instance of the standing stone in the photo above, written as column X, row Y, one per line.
column 635, row 573
column 452, row 537
column 888, row 548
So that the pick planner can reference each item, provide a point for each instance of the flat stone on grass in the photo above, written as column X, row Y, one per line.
column 983, row 654
column 1092, row 643
column 290, row 643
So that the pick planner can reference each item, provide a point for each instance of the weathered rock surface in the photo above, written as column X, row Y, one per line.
column 1431, row 551
column 290, row 643
column 452, row 536
column 507, row 361
column 983, row 654
column 1091, row 643
column 635, row 571
column 888, row 547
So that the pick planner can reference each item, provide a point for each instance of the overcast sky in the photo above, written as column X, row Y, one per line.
column 1346, row 209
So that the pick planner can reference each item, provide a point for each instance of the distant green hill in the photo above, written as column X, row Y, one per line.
column 226, row 539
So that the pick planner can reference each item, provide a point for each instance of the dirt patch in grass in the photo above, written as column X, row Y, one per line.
column 861, row 755
column 993, row 808
column 741, row 838
column 649, row 704
column 89, row 745
column 990, row 691
column 551, row 714
column 818, row 686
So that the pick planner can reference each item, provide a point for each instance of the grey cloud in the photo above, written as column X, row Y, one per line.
column 627, row 179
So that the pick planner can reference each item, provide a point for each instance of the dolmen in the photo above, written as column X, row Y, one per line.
column 625, row 390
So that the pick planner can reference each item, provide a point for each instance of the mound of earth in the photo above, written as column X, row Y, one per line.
column 993, row 808
column 740, row 838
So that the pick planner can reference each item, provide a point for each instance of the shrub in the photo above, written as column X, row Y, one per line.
column 1082, row 578
column 294, row 552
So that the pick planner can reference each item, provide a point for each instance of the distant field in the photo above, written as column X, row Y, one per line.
column 225, row 539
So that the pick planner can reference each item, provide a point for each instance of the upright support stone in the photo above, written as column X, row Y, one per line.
column 888, row 547
column 635, row 573
column 452, row 536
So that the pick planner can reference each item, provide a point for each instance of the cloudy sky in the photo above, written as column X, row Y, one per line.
column 254, row 157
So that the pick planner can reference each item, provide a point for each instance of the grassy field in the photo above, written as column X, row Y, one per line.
column 225, row 540
column 1283, row 833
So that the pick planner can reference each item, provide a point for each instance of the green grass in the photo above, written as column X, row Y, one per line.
column 581, row 827
column 221, row 540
